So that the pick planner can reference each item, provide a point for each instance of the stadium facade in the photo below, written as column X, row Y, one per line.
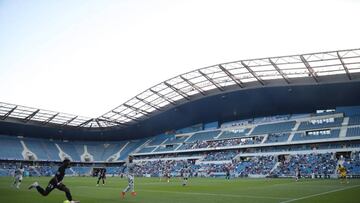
column 277, row 111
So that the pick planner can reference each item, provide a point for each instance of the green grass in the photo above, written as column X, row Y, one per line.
column 206, row 190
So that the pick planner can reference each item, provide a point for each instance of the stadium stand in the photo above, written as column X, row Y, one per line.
column 320, row 123
column 353, row 132
column 274, row 128
column 313, row 135
column 234, row 133
column 11, row 148
column 202, row 136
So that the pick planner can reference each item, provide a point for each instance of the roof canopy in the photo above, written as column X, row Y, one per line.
column 201, row 82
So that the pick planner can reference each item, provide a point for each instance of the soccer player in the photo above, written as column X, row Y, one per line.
column 185, row 174
column 227, row 172
column 342, row 173
column 56, row 182
column 102, row 175
column 18, row 176
column 130, row 175
column 297, row 173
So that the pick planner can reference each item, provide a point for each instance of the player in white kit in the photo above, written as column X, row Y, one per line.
column 18, row 176
column 186, row 175
column 130, row 175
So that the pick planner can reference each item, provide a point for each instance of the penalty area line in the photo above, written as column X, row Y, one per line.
column 319, row 194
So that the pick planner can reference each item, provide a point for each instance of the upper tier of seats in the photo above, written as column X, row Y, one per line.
column 274, row 128
column 234, row 133
column 354, row 120
column 11, row 148
column 353, row 132
column 277, row 137
column 46, row 150
column 317, row 135
column 202, row 136
column 308, row 125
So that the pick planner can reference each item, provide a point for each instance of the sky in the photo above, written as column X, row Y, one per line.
column 87, row 57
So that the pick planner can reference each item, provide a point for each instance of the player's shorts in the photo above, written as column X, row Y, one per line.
column 18, row 178
column 343, row 175
column 131, row 179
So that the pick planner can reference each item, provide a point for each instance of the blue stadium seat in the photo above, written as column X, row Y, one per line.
column 307, row 125
column 202, row 136
column 11, row 148
column 274, row 128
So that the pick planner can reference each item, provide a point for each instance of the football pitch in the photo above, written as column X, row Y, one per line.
column 208, row 190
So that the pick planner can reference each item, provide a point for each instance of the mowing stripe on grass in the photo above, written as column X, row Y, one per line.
column 196, row 193
column 214, row 194
column 319, row 194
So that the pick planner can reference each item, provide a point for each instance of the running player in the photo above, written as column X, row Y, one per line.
column 297, row 173
column 342, row 174
column 18, row 176
column 130, row 175
column 102, row 176
column 56, row 182
column 227, row 172
column 186, row 175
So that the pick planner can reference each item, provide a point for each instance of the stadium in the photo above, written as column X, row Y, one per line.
column 275, row 128
column 258, row 118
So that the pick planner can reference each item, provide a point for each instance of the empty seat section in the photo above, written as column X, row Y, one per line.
column 95, row 149
column 70, row 149
column 309, row 125
column 354, row 120
column 314, row 136
column 175, row 140
column 146, row 149
column 157, row 140
column 277, row 137
column 166, row 148
column 353, row 132
column 202, row 136
column 274, row 128
column 43, row 149
column 132, row 146
column 111, row 149
column 11, row 148
column 234, row 133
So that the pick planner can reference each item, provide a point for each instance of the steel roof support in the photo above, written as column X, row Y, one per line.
column 107, row 120
column 193, row 85
column 310, row 69
column 69, row 121
column 253, row 73
column 145, row 113
column 163, row 97
column 8, row 113
column 126, row 116
column 28, row 118
column 280, row 71
column 85, row 123
column 344, row 66
column 181, row 93
column 50, row 119
column 211, row 80
column 148, row 103
column 231, row 76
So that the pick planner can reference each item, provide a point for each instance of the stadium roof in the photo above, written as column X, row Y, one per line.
column 201, row 83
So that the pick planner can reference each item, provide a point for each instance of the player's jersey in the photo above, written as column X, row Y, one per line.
column 186, row 172
column 102, row 173
column 130, row 168
column 19, row 172
column 342, row 169
column 60, row 173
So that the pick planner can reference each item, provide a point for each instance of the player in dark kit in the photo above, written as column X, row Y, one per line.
column 56, row 182
column 102, row 175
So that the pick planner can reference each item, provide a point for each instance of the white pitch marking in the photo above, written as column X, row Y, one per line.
column 318, row 194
